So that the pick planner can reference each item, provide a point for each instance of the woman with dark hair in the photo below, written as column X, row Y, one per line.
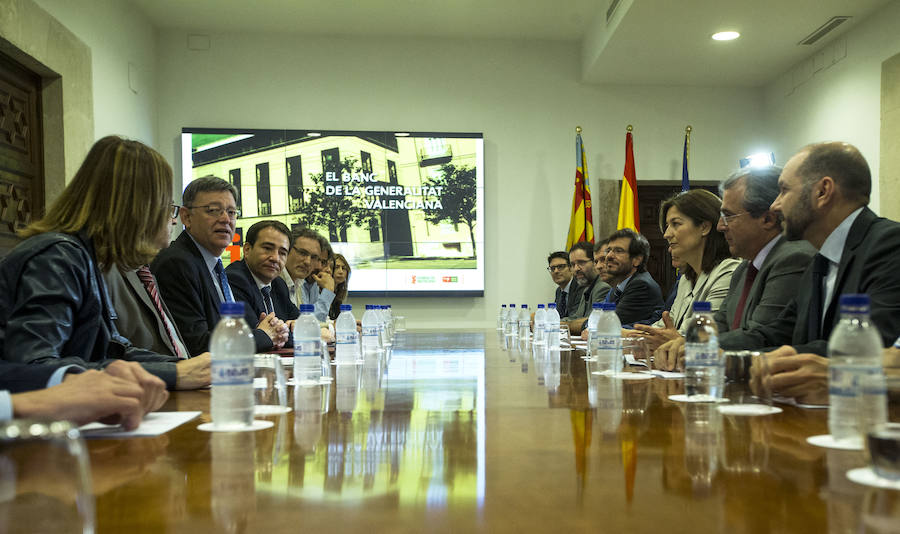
column 688, row 221
column 341, row 275
column 54, row 306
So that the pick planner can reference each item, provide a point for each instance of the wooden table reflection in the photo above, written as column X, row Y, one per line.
column 456, row 434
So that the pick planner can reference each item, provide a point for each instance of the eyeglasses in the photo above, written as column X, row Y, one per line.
column 726, row 218
column 615, row 250
column 558, row 267
column 305, row 253
column 175, row 209
column 215, row 211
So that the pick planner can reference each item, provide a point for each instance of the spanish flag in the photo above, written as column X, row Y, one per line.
column 581, row 226
column 628, row 202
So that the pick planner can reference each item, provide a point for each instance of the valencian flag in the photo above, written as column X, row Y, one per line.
column 628, row 201
column 685, row 157
column 581, row 226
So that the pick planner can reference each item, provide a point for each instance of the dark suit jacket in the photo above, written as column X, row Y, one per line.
column 186, row 285
column 573, row 298
column 19, row 377
column 138, row 319
column 870, row 264
column 595, row 292
column 641, row 298
column 774, row 287
column 245, row 289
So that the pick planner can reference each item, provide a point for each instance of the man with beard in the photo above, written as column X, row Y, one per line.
column 561, row 273
column 636, row 294
column 581, row 256
column 824, row 190
column 600, row 263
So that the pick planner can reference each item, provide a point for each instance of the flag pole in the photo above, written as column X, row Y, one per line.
column 687, row 134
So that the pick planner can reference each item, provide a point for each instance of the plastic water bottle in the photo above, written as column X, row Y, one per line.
column 855, row 374
column 383, row 328
column 607, row 349
column 307, row 347
column 371, row 341
column 551, row 326
column 540, row 317
column 389, row 318
column 512, row 322
column 592, row 329
column 345, row 337
column 524, row 327
column 232, row 347
column 501, row 318
column 704, row 368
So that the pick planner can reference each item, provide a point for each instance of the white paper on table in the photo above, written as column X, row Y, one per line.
column 579, row 343
column 154, row 424
column 665, row 374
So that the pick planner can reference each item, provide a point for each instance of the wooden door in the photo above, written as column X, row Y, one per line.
column 21, row 151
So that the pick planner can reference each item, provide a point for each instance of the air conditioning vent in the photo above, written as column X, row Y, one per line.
column 824, row 30
column 612, row 9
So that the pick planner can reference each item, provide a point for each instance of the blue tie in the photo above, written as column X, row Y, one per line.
column 223, row 281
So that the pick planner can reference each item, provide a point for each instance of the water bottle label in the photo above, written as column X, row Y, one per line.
column 701, row 354
column 234, row 372
column 305, row 349
column 602, row 342
column 851, row 380
column 345, row 338
column 368, row 331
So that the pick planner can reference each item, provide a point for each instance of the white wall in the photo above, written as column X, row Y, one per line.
column 842, row 102
column 117, row 35
column 524, row 96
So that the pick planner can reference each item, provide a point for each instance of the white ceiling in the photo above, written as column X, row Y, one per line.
column 657, row 42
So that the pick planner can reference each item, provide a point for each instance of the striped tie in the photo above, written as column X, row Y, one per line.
column 267, row 298
column 150, row 285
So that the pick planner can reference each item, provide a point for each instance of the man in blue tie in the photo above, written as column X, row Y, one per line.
column 190, row 274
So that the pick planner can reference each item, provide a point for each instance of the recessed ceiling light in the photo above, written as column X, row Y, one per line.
column 402, row 134
column 725, row 36
column 313, row 134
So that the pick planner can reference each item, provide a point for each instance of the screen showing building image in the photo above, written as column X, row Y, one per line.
column 404, row 208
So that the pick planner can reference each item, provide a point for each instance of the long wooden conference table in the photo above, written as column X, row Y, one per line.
column 456, row 434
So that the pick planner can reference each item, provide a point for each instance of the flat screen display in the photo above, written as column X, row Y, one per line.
column 405, row 208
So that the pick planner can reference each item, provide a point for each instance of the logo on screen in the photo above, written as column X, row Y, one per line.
column 449, row 279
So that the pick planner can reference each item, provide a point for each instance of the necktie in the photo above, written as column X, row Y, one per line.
column 150, row 285
column 223, row 282
column 562, row 303
column 267, row 298
column 614, row 295
column 752, row 271
column 814, row 323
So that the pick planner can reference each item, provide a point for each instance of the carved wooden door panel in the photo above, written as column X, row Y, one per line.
column 21, row 151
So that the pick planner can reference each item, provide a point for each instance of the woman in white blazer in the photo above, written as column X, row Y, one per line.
column 688, row 221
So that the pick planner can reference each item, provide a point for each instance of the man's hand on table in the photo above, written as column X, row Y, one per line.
column 801, row 376
column 194, row 372
column 670, row 355
column 275, row 328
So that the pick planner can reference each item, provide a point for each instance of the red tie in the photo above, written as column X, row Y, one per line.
column 748, row 282
column 150, row 285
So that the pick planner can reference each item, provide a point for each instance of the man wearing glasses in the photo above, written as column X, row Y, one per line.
column 581, row 256
column 190, row 273
column 636, row 294
column 307, row 285
column 561, row 274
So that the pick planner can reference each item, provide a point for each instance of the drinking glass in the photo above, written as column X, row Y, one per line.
column 45, row 481
column 883, row 438
column 399, row 323
column 269, row 385
column 634, row 350
column 753, row 397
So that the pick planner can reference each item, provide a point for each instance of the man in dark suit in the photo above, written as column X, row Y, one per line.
column 255, row 279
column 766, row 281
column 636, row 294
column 824, row 190
column 190, row 274
column 561, row 274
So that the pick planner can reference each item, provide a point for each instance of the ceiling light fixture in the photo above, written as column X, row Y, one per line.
column 725, row 36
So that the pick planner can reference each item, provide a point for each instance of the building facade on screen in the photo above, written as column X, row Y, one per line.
column 384, row 201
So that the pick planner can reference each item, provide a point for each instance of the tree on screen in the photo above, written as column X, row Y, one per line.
column 336, row 213
column 457, row 198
